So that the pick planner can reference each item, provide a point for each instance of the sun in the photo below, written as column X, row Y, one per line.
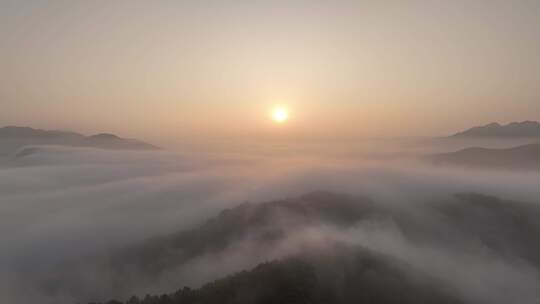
column 279, row 114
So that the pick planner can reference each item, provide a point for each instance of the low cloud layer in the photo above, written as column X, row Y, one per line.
column 59, row 204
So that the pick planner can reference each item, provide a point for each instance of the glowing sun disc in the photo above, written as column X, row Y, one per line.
column 280, row 114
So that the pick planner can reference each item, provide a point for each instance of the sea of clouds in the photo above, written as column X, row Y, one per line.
column 62, row 203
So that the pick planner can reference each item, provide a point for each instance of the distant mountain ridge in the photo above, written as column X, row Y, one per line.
column 520, row 157
column 14, row 132
column 12, row 138
column 363, row 275
column 511, row 130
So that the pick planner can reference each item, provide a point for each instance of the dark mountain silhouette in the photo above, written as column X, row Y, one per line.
column 521, row 157
column 336, row 273
column 511, row 130
column 26, row 132
column 265, row 223
column 112, row 141
column 341, row 275
column 13, row 138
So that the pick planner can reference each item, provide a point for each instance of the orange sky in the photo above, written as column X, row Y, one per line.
column 165, row 71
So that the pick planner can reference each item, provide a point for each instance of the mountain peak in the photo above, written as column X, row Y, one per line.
column 15, row 131
column 526, row 128
column 104, row 136
column 15, row 137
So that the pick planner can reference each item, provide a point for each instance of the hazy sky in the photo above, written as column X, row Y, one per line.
column 168, row 70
